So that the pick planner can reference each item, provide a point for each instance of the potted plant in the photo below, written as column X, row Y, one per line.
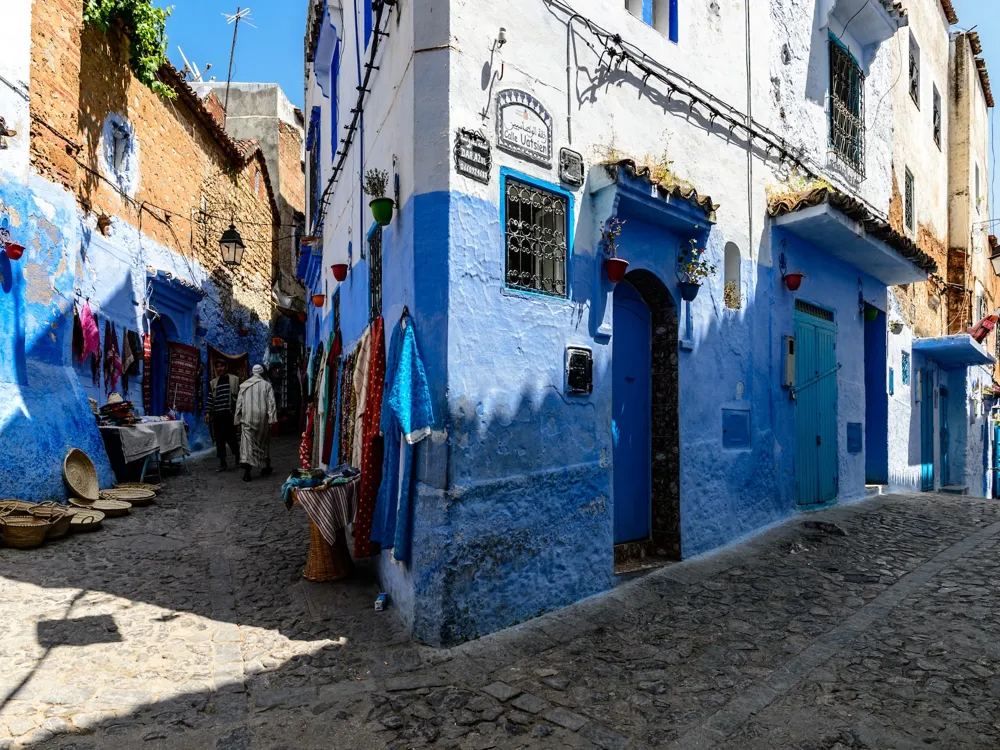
column 615, row 266
column 319, row 299
column 793, row 280
column 871, row 314
column 14, row 250
column 692, row 269
column 339, row 271
column 376, row 181
column 896, row 326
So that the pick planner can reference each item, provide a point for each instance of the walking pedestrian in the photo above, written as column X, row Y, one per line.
column 219, row 411
column 256, row 411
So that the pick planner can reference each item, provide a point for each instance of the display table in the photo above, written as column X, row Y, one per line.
column 129, row 447
column 331, row 508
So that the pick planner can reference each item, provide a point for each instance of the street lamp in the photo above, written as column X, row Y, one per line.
column 232, row 247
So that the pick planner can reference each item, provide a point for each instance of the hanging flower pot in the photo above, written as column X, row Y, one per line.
column 689, row 290
column 896, row 326
column 871, row 314
column 319, row 299
column 616, row 268
column 13, row 250
column 381, row 210
column 794, row 280
column 339, row 271
column 303, row 317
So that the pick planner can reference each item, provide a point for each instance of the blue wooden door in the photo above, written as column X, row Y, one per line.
column 927, row 430
column 996, row 461
column 943, row 411
column 815, row 407
column 630, row 414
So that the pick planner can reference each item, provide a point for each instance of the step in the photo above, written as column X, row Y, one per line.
column 955, row 489
column 875, row 489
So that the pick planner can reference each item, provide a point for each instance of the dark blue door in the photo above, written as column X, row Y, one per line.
column 158, row 365
column 943, row 411
column 630, row 414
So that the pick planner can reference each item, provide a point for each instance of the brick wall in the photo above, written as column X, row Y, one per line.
column 79, row 76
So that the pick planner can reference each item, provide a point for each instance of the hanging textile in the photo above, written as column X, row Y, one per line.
column 305, row 447
column 182, row 370
column 330, row 410
column 135, row 344
column 77, row 336
column 91, row 333
column 361, row 370
column 371, row 450
column 406, row 419
column 112, row 358
column 127, row 359
column 147, row 373
column 237, row 364
column 346, row 397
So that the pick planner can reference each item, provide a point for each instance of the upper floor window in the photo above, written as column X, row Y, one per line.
column 909, row 209
column 369, row 21
column 914, row 71
column 979, row 195
column 936, row 115
column 335, row 102
column 535, row 237
column 660, row 14
column 847, row 107
column 313, row 149
column 121, row 152
column 731, row 292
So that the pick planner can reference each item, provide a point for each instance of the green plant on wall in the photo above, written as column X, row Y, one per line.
column 145, row 25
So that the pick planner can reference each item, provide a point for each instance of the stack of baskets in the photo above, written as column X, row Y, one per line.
column 28, row 525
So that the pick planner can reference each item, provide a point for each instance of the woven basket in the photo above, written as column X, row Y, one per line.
column 58, row 519
column 15, row 508
column 325, row 563
column 129, row 495
column 139, row 486
column 23, row 532
column 86, row 520
column 80, row 475
column 110, row 508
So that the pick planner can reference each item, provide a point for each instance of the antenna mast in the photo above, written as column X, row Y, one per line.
column 240, row 15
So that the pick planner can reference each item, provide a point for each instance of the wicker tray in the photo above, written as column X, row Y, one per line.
column 23, row 532
column 80, row 475
column 110, row 508
column 139, row 486
column 86, row 520
column 129, row 495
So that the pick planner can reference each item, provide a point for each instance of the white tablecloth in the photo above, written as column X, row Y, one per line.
column 141, row 440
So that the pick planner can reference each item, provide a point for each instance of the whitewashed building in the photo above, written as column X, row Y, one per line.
column 584, row 426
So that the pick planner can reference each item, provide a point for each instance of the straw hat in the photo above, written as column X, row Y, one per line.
column 80, row 475
column 115, row 398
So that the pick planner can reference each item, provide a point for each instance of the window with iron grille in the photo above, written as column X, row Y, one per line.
column 375, row 273
column 909, row 210
column 914, row 71
column 936, row 116
column 336, row 310
column 535, row 237
column 847, row 108
column 906, row 368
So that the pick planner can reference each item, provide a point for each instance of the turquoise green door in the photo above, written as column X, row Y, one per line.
column 927, row 429
column 815, row 405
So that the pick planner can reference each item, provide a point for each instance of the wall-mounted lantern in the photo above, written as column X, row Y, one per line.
column 232, row 247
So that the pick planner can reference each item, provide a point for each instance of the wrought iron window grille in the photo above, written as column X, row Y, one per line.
column 936, row 117
column 908, row 207
column 336, row 311
column 906, row 368
column 535, row 237
column 375, row 273
column 847, row 109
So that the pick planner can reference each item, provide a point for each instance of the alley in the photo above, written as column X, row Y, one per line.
column 187, row 625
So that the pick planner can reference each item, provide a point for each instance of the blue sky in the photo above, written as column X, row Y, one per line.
column 272, row 52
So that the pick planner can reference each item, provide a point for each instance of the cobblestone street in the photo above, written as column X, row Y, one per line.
column 188, row 625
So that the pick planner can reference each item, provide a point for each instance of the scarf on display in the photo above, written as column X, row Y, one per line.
column 135, row 344
column 371, row 446
column 112, row 358
column 332, row 376
column 77, row 335
column 147, row 373
column 89, row 332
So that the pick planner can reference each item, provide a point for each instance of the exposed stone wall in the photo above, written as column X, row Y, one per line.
column 81, row 75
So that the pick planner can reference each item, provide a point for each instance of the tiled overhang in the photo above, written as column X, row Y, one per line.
column 953, row 352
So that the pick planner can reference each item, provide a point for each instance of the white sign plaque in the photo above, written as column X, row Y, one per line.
column 524, row 126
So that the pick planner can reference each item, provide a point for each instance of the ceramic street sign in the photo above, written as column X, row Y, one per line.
column 524, row 126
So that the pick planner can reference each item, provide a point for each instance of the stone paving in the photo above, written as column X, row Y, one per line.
column 188, row 625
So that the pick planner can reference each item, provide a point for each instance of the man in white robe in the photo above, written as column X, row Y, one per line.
column 256, row 411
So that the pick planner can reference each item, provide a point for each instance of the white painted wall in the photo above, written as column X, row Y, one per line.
column 15, row 77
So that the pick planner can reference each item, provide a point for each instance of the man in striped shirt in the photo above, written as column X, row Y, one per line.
column 221, row 405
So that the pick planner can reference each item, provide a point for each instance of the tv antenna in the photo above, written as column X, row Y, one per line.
column 192, row 69
column 242, row 14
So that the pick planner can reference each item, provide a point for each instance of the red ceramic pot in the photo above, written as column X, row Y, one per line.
column 303, row 317
column 13, row 250
column 616, row 268
column 794, row 280
column 319, row 299
column 339, row 271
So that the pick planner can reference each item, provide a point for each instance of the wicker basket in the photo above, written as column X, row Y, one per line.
column 58, row 520
column 23, row 532
column 325, row 562
column 129, row 495
column 110, row 508
column 15, row 508
column 80, row 475
column 86, row 520
column 139, row 486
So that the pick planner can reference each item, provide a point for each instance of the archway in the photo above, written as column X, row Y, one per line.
column 644, row 348
column 162, row 331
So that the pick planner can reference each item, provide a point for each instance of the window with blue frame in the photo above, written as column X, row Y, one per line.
column 536, row 236
column 368, row 21
column 660, row 14
column 313, row 149
column 847, row 107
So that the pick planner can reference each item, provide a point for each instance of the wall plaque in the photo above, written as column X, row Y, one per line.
column 571, row 166
column 472, row 155
column 524, row 126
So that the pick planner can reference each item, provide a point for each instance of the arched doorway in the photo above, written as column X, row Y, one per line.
column 645, row 426
column 162, row 331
